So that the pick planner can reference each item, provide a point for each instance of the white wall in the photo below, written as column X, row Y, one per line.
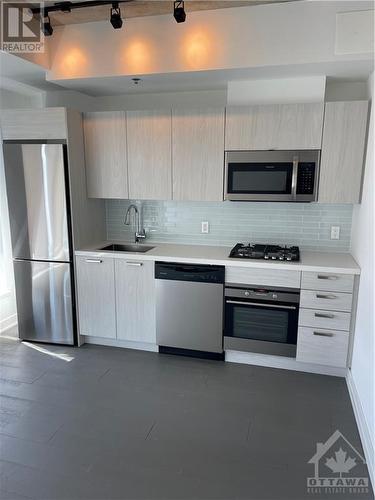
column 335, row 91
column 295, row 33
column 346, row 91
column 10, row 99
column 362, row 247
column 83, row 102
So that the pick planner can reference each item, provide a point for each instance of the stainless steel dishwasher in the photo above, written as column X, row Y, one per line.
column 189, row 309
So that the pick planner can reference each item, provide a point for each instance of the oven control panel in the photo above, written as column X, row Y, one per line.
column 264, row 295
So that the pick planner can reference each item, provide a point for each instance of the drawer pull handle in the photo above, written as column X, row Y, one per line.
column 324, row 277
column 135, row 264
column 94, row 261
column 325, row 296
column 323, row 334
column 321, row 315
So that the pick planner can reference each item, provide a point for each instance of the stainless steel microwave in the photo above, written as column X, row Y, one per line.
column 272, row 175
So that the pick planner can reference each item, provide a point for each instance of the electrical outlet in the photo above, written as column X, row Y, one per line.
column 335, row 232
column 205, row 227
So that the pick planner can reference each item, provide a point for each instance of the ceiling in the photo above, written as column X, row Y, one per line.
column 140, row 8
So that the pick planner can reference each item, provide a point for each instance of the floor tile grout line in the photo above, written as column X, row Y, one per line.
column 150, row 431
column 104, row 374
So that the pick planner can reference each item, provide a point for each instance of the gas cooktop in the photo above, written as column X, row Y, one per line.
column 267, row 252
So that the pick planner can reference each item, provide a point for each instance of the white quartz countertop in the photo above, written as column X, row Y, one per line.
column 203, row 254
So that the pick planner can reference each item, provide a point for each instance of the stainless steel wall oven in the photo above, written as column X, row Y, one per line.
column 261, row 320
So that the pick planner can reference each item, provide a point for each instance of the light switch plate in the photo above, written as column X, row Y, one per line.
column 335, row 232
column 205, row 227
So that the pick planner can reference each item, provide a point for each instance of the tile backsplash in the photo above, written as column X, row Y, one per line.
column 305, row 224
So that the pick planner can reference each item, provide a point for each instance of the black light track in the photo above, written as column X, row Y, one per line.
column 69, row 6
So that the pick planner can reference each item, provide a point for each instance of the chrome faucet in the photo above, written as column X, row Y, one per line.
column 140, row 233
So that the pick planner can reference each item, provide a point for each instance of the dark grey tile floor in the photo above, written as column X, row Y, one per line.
column 121, row 424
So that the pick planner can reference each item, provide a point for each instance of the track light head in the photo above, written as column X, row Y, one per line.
column 179, row 11
column 116, row 20
column 47, row 26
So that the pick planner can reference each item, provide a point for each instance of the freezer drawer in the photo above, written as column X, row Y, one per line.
column 189, row 315
column 44, row 301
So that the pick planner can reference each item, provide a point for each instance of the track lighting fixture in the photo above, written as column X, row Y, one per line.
column 179, row 11
column 42, row 13
column 47, row 26
column 116, row 20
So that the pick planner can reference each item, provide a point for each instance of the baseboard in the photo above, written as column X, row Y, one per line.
column 127, row 344
column 364, row 431
column 7, row 323
column 281, row 362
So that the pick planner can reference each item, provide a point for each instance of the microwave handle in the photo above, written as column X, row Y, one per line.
column 294, row 177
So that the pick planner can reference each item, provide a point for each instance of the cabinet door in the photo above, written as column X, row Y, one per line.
column 198, row 154
column 29, row 124
column 280, row 126
column 105, row 154
column 149, row 155
column 343, row 150
column 135, row 300
column 96, row 296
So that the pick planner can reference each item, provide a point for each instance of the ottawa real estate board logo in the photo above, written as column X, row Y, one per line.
column 20, row 29
column 338, row 468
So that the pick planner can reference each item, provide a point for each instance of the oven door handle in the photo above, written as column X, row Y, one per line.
column 259, row 305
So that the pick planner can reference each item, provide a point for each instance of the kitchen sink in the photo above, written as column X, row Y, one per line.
column 136, row 248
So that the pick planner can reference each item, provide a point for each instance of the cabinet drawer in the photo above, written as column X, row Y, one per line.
column 325, row 347
column 263, row 277
column 318, row 318
column 330, row 301
column 331, row 282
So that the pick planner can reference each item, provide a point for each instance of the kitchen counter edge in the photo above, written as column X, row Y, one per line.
column 331, row 262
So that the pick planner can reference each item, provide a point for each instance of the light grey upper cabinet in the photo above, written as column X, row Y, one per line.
column 343, row 148
column 135, row 300
column 96, row 296
column 33, row 124
column 280, row 126
column 149, row 155
column 106, row 154
column 198, row 154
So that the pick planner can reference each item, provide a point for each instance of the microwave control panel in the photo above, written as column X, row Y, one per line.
column 306, row 178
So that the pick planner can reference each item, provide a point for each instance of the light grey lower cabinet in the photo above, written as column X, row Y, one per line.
column 323, row 347
column 325, row 318
column 96, row 296
column 135, row 300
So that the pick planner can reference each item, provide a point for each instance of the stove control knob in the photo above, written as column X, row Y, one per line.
column 247, row 293
column 274, row 295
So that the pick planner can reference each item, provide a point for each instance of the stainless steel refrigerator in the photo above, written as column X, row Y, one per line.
column 39, row 210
